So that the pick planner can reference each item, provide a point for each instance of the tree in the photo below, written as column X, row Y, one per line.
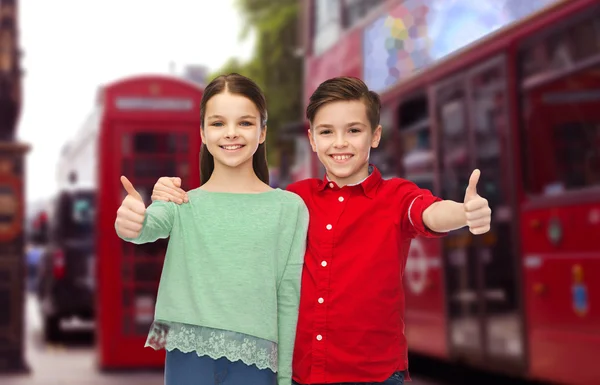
column 274, row 66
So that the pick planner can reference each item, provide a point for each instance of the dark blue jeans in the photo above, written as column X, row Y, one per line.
column 190, row 369
column 396, row 379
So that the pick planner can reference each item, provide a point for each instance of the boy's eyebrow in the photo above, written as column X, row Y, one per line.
column 355, row 124
column 241, row 117
column 347, row 125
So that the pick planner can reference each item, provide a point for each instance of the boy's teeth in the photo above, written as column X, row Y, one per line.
column 341, row 157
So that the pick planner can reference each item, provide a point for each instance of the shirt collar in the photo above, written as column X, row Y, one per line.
column 368, row 185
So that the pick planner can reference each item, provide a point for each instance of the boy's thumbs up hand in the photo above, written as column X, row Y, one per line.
column 131, row 214
column 477, row 210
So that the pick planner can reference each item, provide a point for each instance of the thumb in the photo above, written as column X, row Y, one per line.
column 176, row 181
column 472, row 188
column 130, row 190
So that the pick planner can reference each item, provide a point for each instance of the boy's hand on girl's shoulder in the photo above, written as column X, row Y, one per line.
column 168, row 189
column 477, row 209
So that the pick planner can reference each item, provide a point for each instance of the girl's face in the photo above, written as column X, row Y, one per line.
column 232, row 131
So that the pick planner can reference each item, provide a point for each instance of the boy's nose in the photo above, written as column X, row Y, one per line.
column 340, row 141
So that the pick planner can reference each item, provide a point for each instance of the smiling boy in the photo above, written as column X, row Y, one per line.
column 351, row 323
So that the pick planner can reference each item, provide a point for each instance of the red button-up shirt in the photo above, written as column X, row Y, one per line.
column 351, row 322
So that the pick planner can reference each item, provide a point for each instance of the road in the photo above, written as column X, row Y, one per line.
column 73, row 363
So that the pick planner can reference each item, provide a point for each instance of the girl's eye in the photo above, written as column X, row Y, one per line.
column 216, row 124
column 325, row 132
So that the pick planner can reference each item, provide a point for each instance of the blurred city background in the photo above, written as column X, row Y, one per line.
column 91, row 90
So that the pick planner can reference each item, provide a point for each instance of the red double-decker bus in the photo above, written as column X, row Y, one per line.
column 510, row 87
column 142, row 127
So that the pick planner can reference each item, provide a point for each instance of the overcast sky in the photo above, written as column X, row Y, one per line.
column 73, row 46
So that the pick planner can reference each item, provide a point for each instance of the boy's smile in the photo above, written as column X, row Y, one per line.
column 342, row 138
column 341, row 158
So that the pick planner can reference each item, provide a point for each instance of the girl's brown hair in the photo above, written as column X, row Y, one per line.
column 239, row 85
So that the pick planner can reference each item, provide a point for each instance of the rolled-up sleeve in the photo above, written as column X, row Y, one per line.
column 413, row 202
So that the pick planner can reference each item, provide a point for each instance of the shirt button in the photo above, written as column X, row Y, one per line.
column 324, row 263
column 341, row 199
column 321, row 300
column 319, row 337
column 329, row 227
column 331, row 185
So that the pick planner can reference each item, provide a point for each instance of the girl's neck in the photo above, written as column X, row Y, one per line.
column 241, row 179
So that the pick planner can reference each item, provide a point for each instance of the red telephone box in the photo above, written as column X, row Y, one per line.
column 149, row 127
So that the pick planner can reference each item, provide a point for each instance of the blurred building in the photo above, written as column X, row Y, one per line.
column 10, row 70
column 196, row 74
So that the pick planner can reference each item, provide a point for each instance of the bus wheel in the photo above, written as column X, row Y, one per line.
column 52, row 328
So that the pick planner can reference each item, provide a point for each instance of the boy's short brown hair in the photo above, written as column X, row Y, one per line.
column 345, row 88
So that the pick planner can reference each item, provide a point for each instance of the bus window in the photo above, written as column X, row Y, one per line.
column 560, row 114
column 384, row 157
column 577, row 147
column 488, row 117
column 562, row 134
column 454, row 159
column 417, row 150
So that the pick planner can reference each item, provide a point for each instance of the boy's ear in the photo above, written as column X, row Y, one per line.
column 376, row 137
column 312, row 140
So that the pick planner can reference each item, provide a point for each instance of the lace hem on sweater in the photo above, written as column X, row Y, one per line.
column 215, row 343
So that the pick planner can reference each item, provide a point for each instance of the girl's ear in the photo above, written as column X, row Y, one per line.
column 263, row 135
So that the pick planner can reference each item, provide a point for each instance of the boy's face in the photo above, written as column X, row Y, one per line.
column 342, row 138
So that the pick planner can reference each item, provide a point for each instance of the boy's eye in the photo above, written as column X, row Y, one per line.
column 355, row 130
column 325, row 132
column 246, row 124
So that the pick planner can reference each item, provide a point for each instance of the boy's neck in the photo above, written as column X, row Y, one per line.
column 241, row 179
column 358, row 177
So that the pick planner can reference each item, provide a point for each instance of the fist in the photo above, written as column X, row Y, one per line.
column 169, row 190
column 477, row 210
column 131, row 214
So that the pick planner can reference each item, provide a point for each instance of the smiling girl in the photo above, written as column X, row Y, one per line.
column 227, row 303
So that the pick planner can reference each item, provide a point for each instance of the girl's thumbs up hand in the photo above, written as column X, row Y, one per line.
column 131, row 214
